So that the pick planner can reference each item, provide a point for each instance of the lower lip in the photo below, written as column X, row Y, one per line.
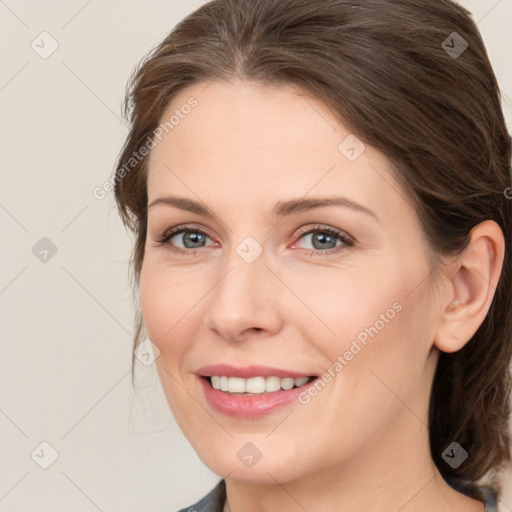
column 249, row 406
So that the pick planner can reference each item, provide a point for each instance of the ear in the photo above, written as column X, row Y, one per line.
column 472, row 281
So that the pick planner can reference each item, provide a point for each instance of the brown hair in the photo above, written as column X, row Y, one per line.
column 386, row 70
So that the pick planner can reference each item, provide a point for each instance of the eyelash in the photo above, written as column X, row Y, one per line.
column 347, row 242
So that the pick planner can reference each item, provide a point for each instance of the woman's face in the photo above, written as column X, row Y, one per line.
column 264, row 290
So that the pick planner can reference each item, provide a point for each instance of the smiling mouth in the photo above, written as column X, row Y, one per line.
column 238, row 386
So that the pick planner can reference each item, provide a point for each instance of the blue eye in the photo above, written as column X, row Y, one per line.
column 322, row 236
column 190, row 235
column 193, row 238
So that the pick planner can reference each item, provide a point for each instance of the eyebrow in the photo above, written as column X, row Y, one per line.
column 281, row 209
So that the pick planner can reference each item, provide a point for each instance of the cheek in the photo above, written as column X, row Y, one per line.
column 172, row 303
column 388, row 351
column 343, row 304
column 375, row 378
column 164, row 302
column 377, row 322
column 153, row 303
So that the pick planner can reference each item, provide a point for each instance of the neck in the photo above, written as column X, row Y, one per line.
column 395, row 472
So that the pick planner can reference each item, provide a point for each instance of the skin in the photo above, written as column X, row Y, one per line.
column 362, row 442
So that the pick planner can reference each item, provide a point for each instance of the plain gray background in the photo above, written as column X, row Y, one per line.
column 67, row 313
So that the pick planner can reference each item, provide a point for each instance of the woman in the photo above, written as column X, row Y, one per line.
column 320, row 196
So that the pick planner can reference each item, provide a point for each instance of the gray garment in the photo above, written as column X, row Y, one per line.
column 214, row 500
column 483, row 493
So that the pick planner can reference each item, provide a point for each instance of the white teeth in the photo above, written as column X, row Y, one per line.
column 216, row 382
column 272, row 384
column 223, row 383
column 236, row 385
column 288, row 383
column 255, row 385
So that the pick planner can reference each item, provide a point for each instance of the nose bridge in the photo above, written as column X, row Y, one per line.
column 244, row 298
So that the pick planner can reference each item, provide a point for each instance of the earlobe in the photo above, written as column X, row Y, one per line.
column 471, row 287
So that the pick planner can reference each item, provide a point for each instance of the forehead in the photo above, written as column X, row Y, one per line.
column 248, row 116
column 245, row 143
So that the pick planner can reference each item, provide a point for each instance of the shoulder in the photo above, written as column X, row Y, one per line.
column 212, row 502
column 484, row 493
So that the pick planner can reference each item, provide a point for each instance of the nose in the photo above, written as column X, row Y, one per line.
column 245, row 301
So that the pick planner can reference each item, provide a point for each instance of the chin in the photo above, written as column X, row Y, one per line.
column 236, row 464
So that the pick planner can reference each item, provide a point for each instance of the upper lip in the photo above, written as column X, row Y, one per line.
column 247, row 372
